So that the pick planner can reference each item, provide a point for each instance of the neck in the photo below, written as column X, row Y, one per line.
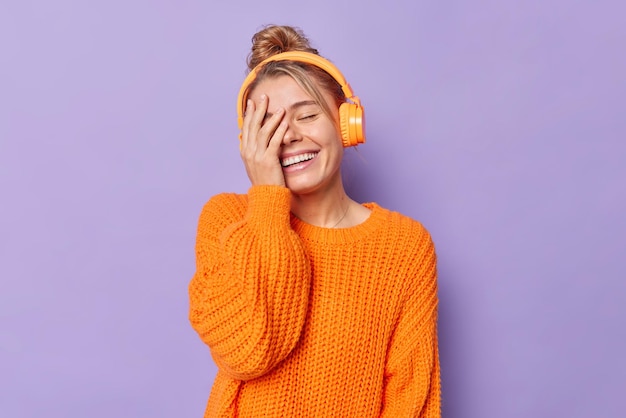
column 327, row 209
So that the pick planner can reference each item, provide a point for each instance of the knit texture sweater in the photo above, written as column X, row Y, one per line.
column 305, row 321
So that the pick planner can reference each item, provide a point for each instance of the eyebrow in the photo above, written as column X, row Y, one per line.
column 295, row 106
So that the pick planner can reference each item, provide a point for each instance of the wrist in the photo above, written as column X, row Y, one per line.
column 269, row 204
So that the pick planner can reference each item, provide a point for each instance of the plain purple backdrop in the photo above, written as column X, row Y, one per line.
column 499, row 125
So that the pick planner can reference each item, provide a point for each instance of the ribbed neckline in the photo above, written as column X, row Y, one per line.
column 309, row 232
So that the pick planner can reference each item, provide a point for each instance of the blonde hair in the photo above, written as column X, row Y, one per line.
column 273, row 40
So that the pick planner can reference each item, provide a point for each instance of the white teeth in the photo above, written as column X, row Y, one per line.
column 297, row 159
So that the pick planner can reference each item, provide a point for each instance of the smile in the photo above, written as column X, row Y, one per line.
column 286, row 162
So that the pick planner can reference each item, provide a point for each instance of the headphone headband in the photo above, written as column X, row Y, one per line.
column 299, row 56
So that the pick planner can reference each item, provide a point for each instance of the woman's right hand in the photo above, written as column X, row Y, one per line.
column 260, row 143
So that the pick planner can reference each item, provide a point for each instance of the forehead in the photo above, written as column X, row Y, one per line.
column 282, row 91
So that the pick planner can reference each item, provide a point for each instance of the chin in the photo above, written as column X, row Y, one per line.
column 300, row 189
column 304, row 186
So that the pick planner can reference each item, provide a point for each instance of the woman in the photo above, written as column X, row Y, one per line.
column 311, row 303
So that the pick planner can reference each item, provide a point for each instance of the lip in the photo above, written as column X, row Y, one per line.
column 294, row 153
column 299, row 166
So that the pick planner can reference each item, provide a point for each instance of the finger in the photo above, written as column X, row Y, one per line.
column 277, row 138
column 245, row 129
column 256, row 120
column 269, row 127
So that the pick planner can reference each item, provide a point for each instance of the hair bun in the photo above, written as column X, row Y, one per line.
column 273, row 40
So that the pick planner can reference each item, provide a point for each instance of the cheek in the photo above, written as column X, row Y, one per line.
column 333, row 134
column 325, row 135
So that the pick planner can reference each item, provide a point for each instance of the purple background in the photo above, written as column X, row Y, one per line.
column 500, row 125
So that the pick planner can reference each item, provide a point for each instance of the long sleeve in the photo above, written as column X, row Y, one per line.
column 249, row 294
column 412, row 373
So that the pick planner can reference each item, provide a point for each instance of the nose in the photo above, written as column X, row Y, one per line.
column 291, row 135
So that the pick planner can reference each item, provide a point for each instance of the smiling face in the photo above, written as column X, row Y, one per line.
column 311, row 149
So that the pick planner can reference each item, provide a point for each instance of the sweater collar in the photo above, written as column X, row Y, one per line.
column 376, row 220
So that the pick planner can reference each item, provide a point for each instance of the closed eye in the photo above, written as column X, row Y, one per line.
column 308, row 117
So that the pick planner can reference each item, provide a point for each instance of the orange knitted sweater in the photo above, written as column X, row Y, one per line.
column 304, row 321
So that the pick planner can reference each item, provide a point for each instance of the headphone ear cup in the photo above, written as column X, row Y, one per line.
column 351, row 124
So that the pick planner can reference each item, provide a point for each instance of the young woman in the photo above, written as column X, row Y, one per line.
column 312, row 304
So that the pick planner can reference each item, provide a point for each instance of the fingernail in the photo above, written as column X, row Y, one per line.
column 263, row 97
column 248, row 103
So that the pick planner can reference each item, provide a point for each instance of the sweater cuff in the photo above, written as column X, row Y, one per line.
column 269, row 205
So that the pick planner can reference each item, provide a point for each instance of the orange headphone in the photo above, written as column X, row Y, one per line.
column 351, row 117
